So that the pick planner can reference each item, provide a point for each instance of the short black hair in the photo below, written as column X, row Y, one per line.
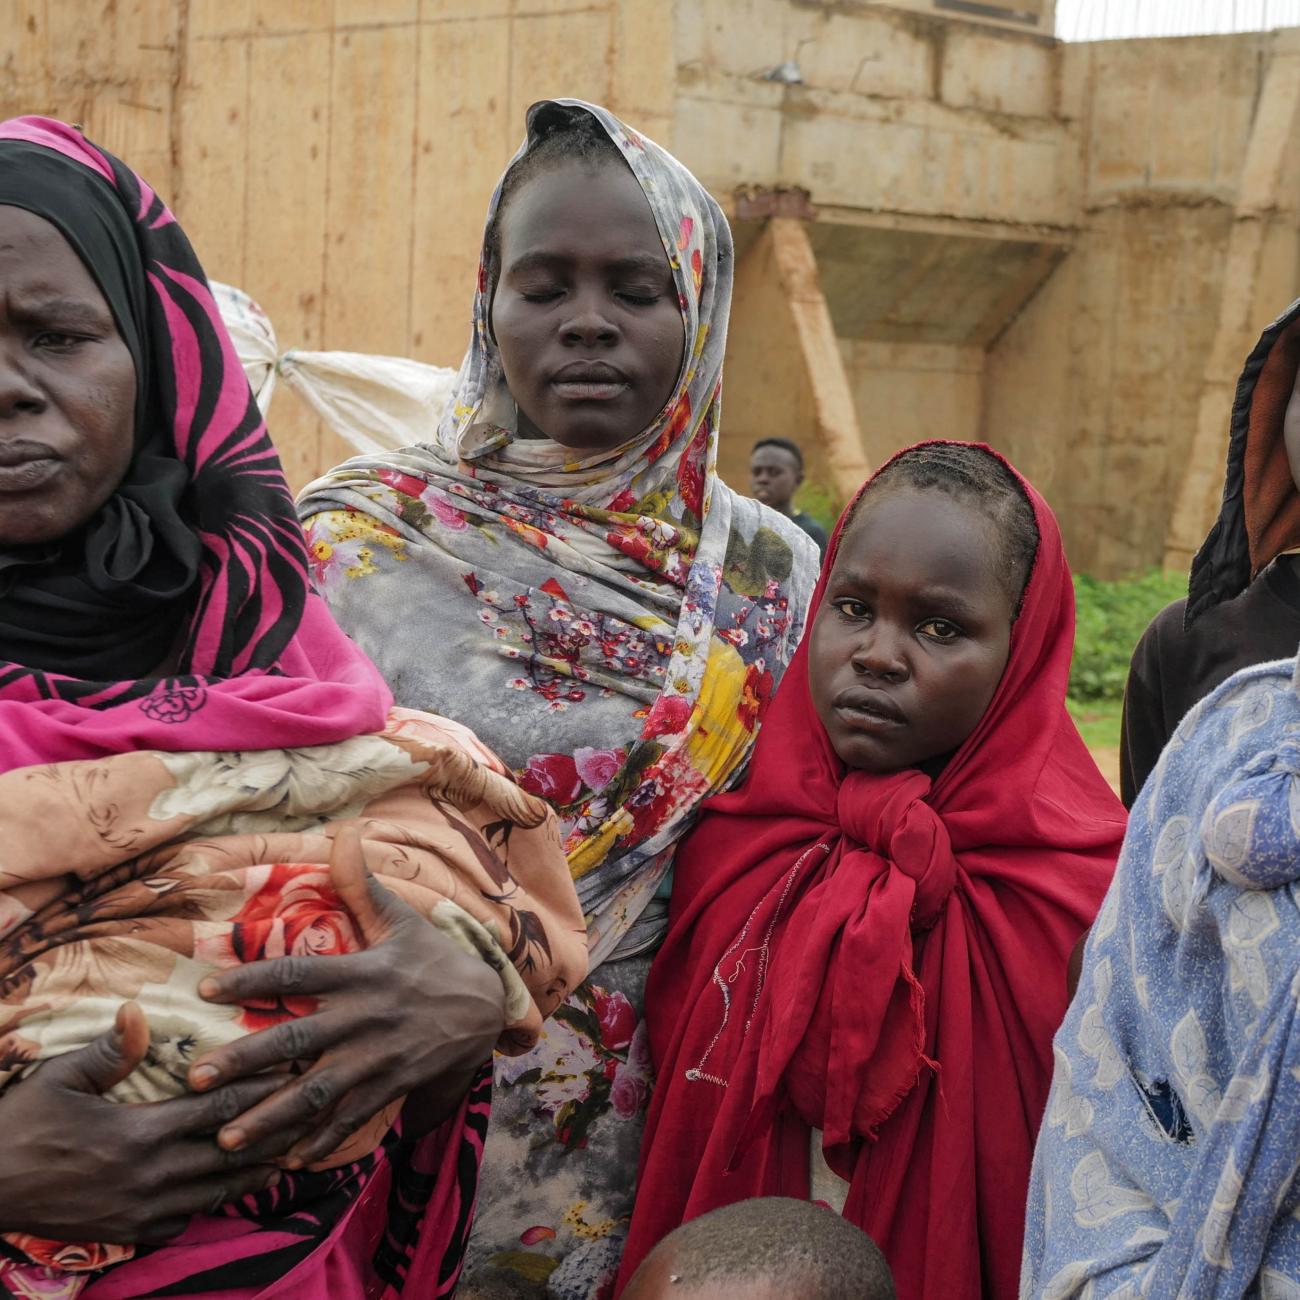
column 777, row 1238
column 562, row 133
column 785, row 444
column 972, row 474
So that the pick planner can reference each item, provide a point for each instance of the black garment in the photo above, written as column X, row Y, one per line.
column 106, row 602
column 1174, row 667
column 812, row 528
column 1259, row 517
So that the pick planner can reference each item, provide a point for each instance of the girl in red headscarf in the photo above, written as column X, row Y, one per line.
column 868, row 945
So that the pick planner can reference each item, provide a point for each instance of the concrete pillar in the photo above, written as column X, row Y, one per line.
column 784, row 374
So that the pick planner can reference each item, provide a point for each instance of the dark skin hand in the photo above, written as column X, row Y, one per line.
column 412, row 1014
column 151, row 1166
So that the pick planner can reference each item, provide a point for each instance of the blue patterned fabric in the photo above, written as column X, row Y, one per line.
column 1166, row 1165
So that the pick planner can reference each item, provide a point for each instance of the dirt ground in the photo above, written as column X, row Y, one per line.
column 1107, row 758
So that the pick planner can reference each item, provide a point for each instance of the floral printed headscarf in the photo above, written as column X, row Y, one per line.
column 613, row 625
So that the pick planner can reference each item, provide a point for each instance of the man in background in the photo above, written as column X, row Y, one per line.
column 775, row 472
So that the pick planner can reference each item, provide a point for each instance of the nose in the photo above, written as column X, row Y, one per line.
column 589, row 322
column 878, row 653
column 19, row 394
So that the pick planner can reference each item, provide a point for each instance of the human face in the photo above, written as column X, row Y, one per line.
column 913, row 634
column 586, row 315
column 774, row 474
column 67, row 386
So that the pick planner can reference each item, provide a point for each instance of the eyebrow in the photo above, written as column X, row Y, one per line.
column 66, row 311
column 541, row 261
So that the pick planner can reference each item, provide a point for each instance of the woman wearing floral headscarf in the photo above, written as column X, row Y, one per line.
column 232, row 1061
column 563, row 570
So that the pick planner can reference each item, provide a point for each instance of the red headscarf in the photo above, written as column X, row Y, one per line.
column 883, row 958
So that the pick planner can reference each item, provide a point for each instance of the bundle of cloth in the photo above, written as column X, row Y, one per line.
column 184, row 733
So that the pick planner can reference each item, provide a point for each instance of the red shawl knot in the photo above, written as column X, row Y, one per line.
column 905, row 831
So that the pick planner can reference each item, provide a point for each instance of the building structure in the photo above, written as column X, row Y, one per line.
column 947, row 222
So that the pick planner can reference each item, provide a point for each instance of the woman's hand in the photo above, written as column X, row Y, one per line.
column 412, row 1010
column 77, row 1167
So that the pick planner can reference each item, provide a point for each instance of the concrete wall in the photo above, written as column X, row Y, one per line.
column 909, row 391
column 1066, row 250
column 1097, row 387
column 1019, row 15
column 896, row 112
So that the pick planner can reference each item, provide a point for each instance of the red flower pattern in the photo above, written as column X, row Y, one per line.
column 669, row 716
column 617, row 1020
column 295, row 913
column 407, row 484
column 553, row 777
column 754, row 695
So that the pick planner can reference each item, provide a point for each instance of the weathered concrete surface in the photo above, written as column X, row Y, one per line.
column 783, row 344
column 1019, row 15
column 1261, row 256
column 1066, row 250
column 906, row 392
column 1100, row 386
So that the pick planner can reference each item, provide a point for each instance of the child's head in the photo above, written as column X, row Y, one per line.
column 584, row 309
column 912, row 636
column 765, row 1249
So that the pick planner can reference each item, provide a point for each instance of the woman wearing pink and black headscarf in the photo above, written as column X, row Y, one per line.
column 232, row 1061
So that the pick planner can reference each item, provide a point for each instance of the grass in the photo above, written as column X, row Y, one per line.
column 1111, row 619
column 1098, row 721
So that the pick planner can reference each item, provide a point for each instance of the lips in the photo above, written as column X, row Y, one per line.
column 23, row 453
column 870, row 706
column 589, row 381
column 25, row 466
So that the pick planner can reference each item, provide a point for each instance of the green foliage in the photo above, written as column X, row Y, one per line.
column 820, row 502
column 1111, row 618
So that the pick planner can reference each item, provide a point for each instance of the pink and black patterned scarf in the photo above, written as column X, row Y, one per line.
column 196, row 561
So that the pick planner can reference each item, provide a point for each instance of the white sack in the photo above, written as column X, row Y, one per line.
column 374, row 403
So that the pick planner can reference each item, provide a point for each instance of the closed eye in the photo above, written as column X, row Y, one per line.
column 541, row 295
column 939, row 629
column 54, row 341
column 637, row 299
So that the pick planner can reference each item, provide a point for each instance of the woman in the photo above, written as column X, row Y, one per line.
column 867, row 950
column 1243, row 605
column 195, row 765
column 1167, row 1162
column 563, row 570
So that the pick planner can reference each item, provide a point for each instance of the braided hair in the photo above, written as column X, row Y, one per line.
column 561, row 133
column 975, row 475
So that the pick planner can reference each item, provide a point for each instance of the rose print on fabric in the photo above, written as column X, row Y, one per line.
column 173, row 702
column 293, row 913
